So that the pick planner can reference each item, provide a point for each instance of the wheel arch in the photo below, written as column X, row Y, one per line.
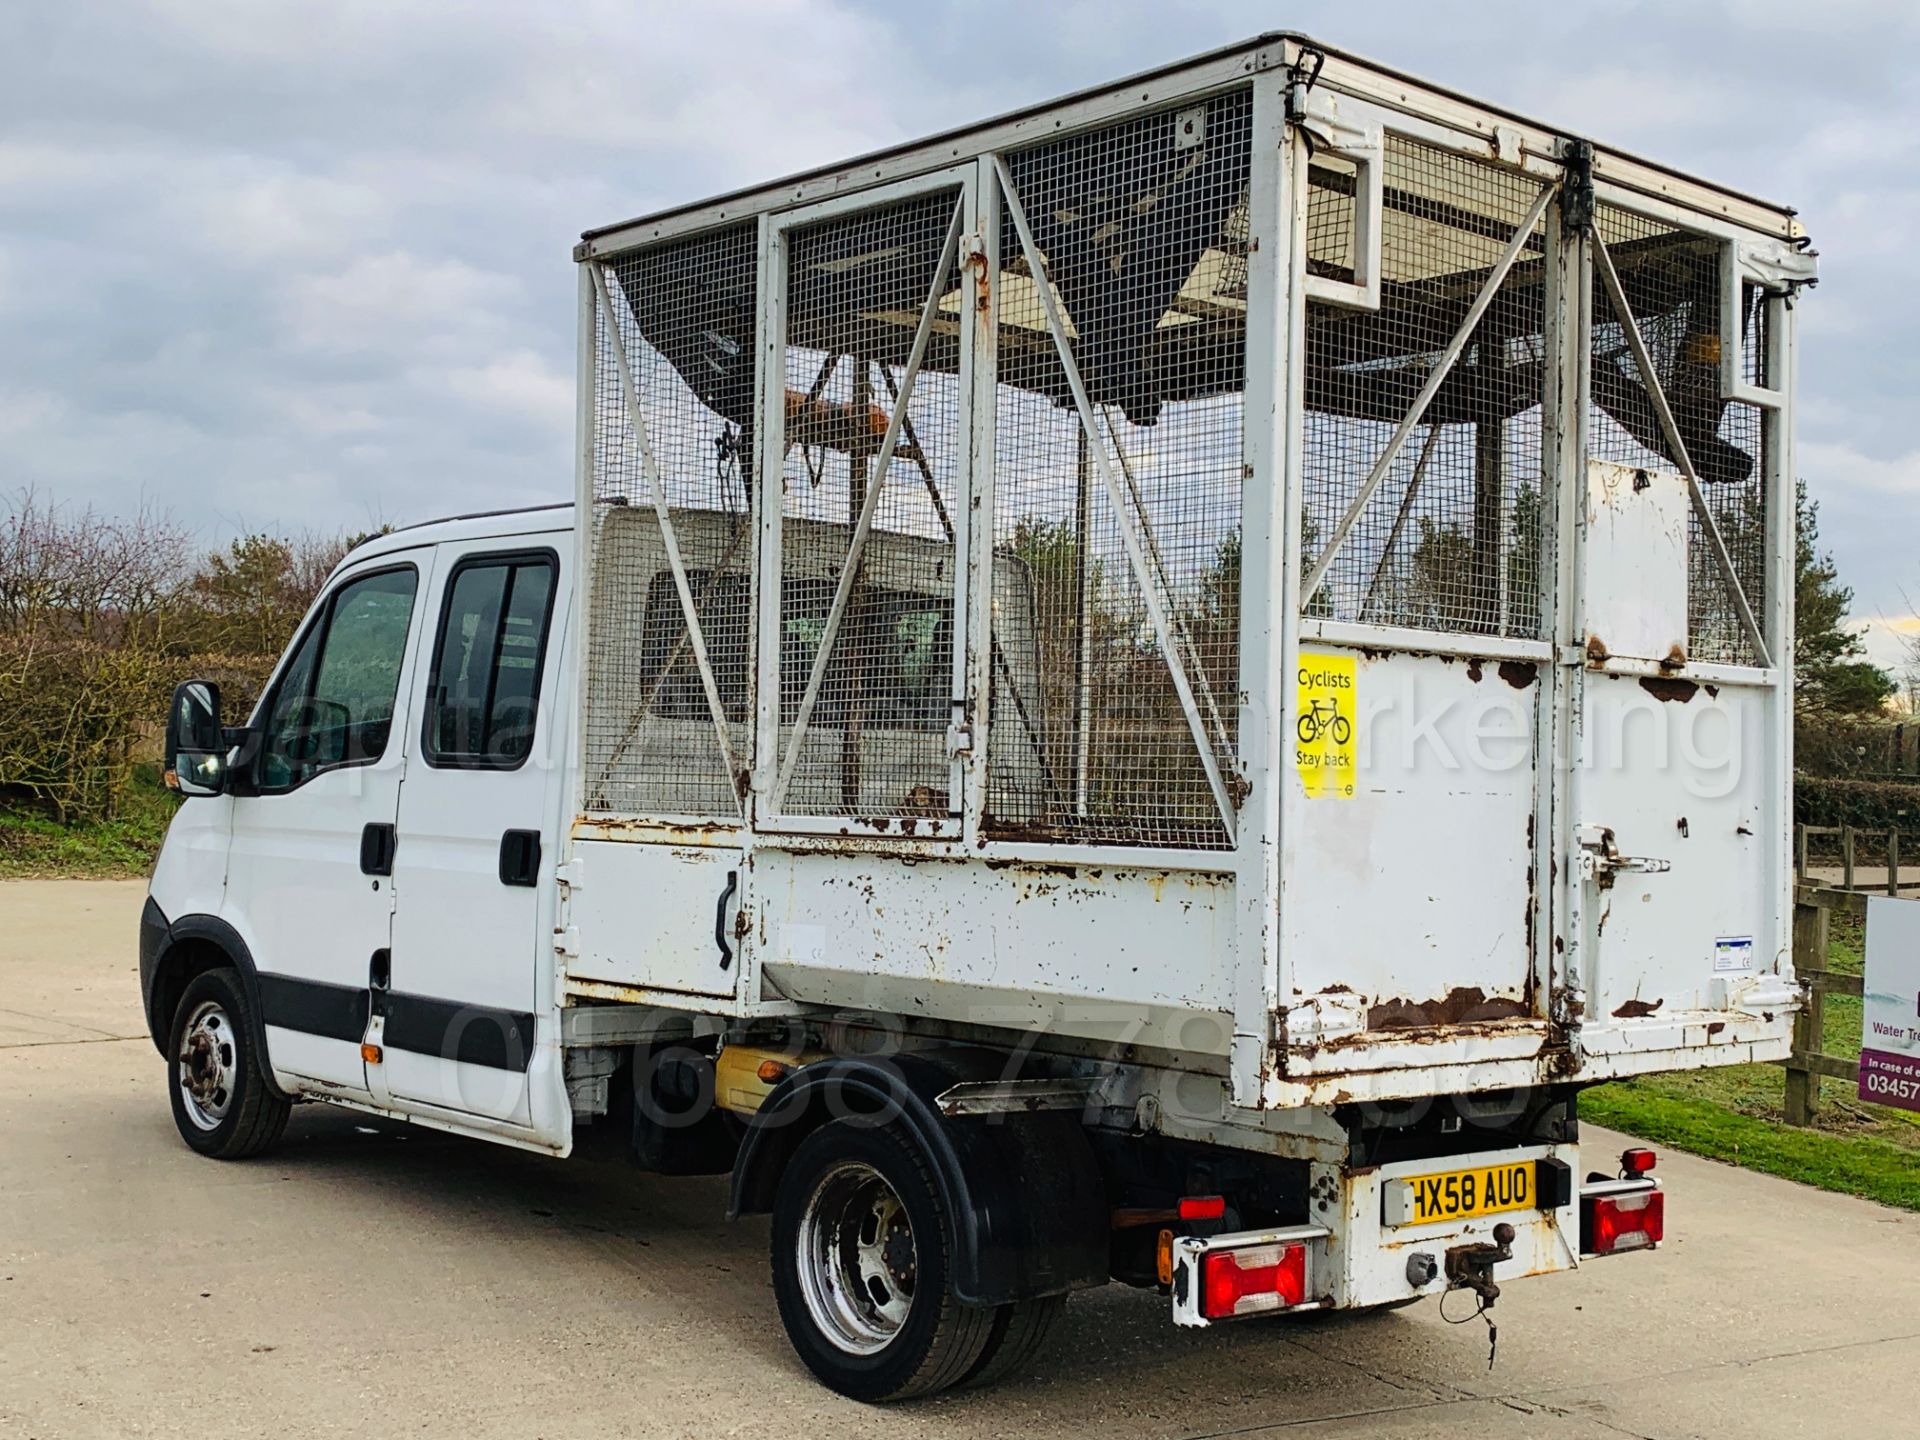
column 1023, row 1192
column 184, row 948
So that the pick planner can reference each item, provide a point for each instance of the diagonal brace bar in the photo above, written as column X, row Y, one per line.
column 857, row 545
column 1417, row 411
column 651, row 468
column 1658, row 395
column 1136, row 553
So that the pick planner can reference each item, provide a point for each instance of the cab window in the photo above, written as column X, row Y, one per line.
column 484, row 692
column 334, row 703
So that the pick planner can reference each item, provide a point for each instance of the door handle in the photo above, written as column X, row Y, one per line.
column 520, row 858
column 378, row 841
column 720, row 919
column 1601, row 860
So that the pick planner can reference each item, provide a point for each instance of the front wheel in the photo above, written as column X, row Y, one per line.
column 221, row 1104
column 862, row 1268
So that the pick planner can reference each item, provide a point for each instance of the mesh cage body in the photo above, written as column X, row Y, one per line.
column 1671, row 278
column 1143, row 230
column 684, row 308
column 857, row 287
column 1455, row 537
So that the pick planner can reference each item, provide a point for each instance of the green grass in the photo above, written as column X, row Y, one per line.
column 1735, row 1113
column 32, row 842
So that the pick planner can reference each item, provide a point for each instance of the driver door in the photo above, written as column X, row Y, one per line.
column 308, row 871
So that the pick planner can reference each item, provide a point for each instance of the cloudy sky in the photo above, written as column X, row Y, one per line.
column 280, row 264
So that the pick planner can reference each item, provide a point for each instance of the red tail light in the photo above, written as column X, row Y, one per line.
column 1634, row 1220
column 1637, row 1162
column 1260, row 1277
column 1202, row 1207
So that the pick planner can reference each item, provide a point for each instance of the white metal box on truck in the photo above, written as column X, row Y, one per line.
column 1203, row 565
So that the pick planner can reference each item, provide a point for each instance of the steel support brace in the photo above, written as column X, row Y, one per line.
column 1417, row 411
column 864, row 526
column 1603, row 262
column 650, row 467
column 1116, row 493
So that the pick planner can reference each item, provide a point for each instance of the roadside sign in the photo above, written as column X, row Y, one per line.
column 1890, row 1039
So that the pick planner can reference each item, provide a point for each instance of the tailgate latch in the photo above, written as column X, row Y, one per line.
column 1601, row 860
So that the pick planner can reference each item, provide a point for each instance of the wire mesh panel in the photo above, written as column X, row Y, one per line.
column 874, row 743
column 1143, row 230
column 684, row 313
column 1455, row 535
column 1671, row 278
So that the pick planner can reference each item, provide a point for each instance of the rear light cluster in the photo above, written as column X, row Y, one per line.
column 1632, row 1221
column 1247, row 1281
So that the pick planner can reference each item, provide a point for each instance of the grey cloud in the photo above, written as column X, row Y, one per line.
column 308, row 265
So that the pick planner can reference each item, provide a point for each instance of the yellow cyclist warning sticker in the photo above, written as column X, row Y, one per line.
column 1326, row 721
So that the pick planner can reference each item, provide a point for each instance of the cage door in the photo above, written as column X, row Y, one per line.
column 863, row 609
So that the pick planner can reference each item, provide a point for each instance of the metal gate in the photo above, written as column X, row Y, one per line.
column 1420, row 696
column 866, row 411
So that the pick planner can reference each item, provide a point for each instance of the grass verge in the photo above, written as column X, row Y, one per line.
column 33, row 843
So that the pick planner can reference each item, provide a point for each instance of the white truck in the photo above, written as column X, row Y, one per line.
column 1142, row 691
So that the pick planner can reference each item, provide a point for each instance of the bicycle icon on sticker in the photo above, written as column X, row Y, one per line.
column 1323, row 717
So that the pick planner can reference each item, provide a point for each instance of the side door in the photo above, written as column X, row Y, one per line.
column 457, row 1027
column 313, row 821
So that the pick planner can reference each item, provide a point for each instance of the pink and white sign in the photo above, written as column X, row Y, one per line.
column 1890, row 1041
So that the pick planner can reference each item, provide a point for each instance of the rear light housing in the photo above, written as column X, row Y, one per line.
column 1621, row 1216
column 1223, row 1277
column 1249, row 1281
column 1636, row 1162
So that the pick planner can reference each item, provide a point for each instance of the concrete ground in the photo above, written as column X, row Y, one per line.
column 368, row 1279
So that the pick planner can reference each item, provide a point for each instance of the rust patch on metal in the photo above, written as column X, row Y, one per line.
column 1462, row 1005
column 1713, row 691
column 1665, row 688
column 1714, row 1027
column 1596, row 650
column 1675, row 659
column 1519, row 673
column 1473, row 670
column 1638, row 1009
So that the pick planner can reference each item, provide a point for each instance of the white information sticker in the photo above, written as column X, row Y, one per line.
column 1732, row 952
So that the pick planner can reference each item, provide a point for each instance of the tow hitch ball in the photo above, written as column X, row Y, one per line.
column 1470, row 1267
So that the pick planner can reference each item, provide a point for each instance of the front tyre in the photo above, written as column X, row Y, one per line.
column 862, row 1268
column 221, row 1104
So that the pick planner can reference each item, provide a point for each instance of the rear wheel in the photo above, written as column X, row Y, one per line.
column 862, row 1268
column 221, row 1104
column 1019, row 1332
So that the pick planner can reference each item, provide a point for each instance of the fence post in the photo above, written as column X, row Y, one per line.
column 1800, row 852
column 1809, row 1026
column 1846, row 857
column 1893, row 862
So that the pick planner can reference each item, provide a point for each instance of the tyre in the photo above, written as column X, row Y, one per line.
column 221, row 1104
column 1019, row 1332
column 862, row 1268
column 1342, row 730
column 1306, row 728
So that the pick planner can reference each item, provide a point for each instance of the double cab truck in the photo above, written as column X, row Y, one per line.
column 1143, row 691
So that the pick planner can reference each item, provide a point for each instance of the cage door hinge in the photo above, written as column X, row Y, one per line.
column 959, row 734
column 1576, row 189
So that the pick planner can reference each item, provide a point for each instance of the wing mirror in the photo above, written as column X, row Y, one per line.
column 196, row 744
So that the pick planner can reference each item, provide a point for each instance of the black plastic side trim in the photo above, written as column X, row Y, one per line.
column 471, row 1034
column 314, row 1007
column 155, row 936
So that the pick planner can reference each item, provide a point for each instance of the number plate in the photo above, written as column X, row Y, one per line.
column 1461, row 1194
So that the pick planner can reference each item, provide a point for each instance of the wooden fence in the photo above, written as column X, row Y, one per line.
column 1849, row 837
column 1813, row 909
